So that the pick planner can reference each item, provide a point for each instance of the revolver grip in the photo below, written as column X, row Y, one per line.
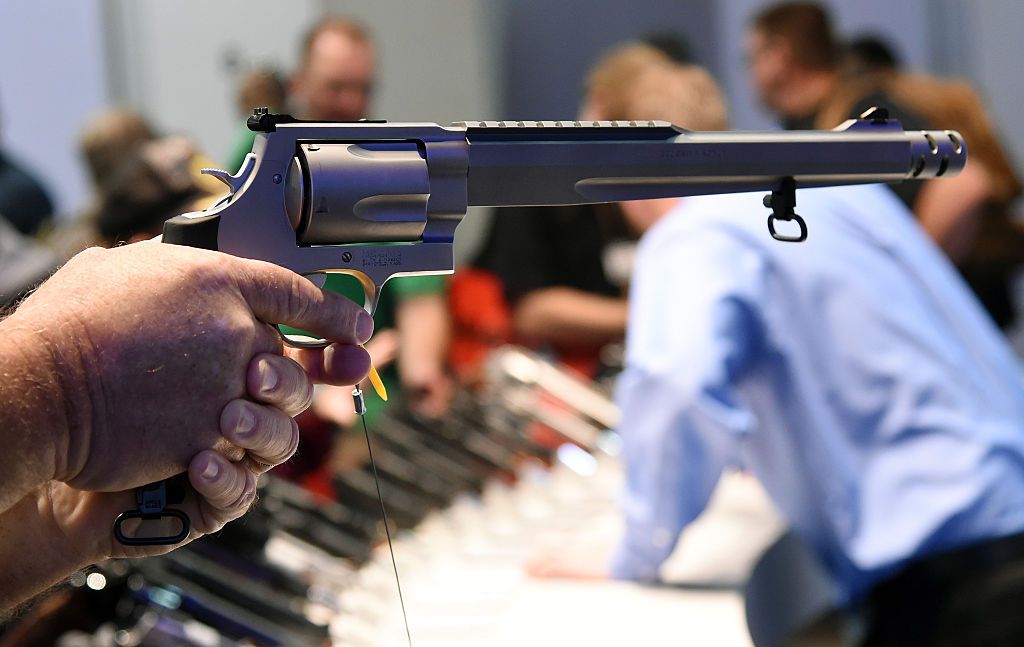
column 193, row 230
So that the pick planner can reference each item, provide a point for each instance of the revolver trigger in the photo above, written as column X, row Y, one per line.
column 236, row 181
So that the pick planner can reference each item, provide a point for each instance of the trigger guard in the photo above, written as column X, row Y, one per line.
column 319, row 279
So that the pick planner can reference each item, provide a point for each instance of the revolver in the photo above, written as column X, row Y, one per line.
column 376, row 200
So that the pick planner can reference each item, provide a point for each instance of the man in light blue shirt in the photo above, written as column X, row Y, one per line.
column 853, row 374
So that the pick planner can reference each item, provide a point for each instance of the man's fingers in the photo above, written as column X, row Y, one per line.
column 223, row 484
column 280, row 296
column 268, row 339
column 279, row 381
column 226, row 490
column 269, row 436
column 338, row 364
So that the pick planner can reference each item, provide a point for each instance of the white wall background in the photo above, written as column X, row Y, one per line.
column 52, row 76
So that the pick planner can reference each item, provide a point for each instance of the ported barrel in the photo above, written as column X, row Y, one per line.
column 559, row 163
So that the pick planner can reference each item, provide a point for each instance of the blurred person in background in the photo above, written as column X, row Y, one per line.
column 989, row 255
column 139, row 180
column 561, row 268
column 335, row 82
column 337, row 72
column 259, row 88
column 24, row 263
column 854, row 375
column 795, row 65
column 23, row 200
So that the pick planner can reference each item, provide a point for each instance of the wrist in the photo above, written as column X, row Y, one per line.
column 67, row 519
column 49, row 558
column 53, row 398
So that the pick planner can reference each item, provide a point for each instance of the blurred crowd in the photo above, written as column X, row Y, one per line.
column 556, row 279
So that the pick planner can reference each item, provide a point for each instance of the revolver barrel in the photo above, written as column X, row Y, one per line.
column 559, row 163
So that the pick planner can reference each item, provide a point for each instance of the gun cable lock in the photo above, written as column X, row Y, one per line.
column 360, row 409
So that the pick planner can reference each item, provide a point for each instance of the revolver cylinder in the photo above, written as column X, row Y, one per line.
column 357, row 192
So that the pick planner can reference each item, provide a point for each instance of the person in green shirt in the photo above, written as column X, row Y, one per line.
column 335, row 82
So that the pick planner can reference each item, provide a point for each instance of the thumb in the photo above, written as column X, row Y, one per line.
column 279, row 296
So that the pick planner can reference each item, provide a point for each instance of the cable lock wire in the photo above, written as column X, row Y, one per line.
column 360, row 407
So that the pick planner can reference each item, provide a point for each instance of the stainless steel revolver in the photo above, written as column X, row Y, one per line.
column 376, row 200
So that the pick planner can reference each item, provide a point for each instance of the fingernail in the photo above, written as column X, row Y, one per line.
column 268, row 377
column 209, row 472
column 364, row 327
column 246, row 422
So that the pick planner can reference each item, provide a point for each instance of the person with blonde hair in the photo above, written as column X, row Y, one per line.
column 606, row 83
column 556, row 264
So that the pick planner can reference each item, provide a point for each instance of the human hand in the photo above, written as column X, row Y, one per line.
column 569, row 563
column 565, row 567
column 151, row 342
column 261, row 430
column 428, row 392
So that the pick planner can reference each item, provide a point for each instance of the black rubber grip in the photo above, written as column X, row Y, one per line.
column 193, row 231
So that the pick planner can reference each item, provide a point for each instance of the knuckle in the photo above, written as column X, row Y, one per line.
column 207, row 275
column 88, row 255
column 304, row 393
column 247, row 494
column 296, row 389
column 278, row 447
column 292, row 444
column 234, row 328
column 211, row 520
column 235, row 495
column 298, row 302
column 263, row 437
